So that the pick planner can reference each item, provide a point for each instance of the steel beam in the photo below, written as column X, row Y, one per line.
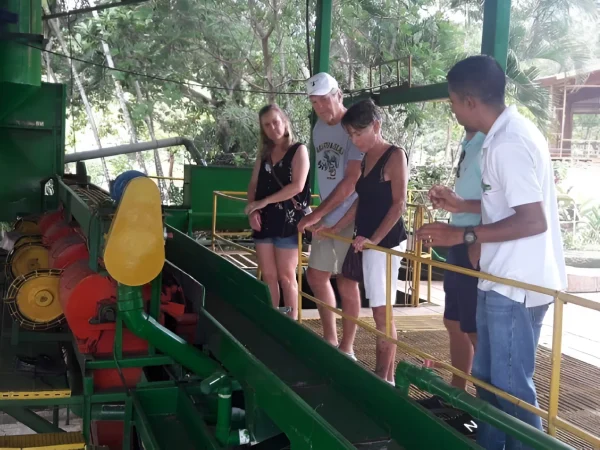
column 399, row 95
column 321, row 64
column 496, row 25
column 32, row 420
column 138, row 147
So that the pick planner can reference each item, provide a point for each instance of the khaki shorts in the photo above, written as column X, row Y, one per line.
column 327, row 254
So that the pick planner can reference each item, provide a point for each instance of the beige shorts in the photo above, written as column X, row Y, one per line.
column 327, row 254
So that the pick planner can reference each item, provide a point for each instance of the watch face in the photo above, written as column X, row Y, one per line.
column 469, row 237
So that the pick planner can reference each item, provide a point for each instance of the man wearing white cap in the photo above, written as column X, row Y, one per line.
column 338, row 168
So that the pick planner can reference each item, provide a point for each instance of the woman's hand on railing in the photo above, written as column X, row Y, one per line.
column 254, row 219
column 254, row 206
column 360, row 242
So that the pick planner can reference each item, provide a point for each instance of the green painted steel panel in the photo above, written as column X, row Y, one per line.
column 20, row 62
column 177, row 218
column 31, row 150
column 199, row 184
column 496, row 27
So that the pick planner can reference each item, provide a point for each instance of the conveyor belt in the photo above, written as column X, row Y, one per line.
column 316, row 390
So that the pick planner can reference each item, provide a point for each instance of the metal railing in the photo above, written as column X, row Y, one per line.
column 560, row 298
column 415, row 216
column 419, row 258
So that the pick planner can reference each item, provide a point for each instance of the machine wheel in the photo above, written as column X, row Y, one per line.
column 28, row 239
column 25, row 258
column 27, row 226
column 33, row 300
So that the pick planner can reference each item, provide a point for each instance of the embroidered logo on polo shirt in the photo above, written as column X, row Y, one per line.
column 485, row 187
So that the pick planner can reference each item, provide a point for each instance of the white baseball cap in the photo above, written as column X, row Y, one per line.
column 321, row 84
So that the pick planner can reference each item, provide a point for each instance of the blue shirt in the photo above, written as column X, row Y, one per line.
column 468, row 180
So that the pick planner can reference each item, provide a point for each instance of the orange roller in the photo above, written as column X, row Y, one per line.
column 89, row 304
column 81, row 292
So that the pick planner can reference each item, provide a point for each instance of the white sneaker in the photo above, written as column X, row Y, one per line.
column 351, row 355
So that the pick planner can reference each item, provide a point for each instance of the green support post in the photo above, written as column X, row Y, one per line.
column 321, row 64
column 323, row 35
column 496, row 27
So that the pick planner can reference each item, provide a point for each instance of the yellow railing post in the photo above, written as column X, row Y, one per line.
column 214, row 220
column 388, row 295
column 299, row 277
column 417, row 263
column 557, row 328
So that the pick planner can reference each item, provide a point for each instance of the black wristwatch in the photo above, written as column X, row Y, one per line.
column 469, row 237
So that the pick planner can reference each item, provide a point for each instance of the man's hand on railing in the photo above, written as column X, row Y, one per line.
column 319, row 228
column 308, row 221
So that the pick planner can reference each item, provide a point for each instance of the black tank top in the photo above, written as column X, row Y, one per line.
column 374, row 202
column 280, row 219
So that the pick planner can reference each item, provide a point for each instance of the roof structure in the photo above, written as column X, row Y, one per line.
column 573, row 93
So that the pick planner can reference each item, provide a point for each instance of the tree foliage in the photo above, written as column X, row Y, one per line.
column 205, row 68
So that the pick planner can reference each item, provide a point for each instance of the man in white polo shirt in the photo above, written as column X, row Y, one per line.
column 520, row 237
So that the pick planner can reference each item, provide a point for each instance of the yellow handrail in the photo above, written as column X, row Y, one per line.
column 418, row 258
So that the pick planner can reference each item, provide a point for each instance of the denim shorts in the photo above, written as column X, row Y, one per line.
column 280, row 242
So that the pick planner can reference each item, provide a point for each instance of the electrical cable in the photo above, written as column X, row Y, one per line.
column 157, row 78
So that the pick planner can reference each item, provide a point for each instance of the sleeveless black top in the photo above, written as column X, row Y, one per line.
column 374, row 202
column 280, row 219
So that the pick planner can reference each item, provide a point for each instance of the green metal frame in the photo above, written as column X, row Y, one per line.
column 496, row 27
column 320, row 64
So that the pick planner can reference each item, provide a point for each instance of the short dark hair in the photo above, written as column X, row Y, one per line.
column 361, row 115
column 478, row 76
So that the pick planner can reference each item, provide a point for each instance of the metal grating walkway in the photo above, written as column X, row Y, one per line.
column 579, row 387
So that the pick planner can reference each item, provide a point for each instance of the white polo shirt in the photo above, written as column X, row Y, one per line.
column 516, row 170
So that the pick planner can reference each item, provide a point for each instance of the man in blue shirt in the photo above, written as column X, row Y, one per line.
column 461, row 290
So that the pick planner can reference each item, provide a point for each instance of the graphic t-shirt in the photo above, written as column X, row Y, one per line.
column 334, row 150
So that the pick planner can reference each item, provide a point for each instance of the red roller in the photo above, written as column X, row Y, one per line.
column 67, row 250
column 58, row 230
column 49, row 219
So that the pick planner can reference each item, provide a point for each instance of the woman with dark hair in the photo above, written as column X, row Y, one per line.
column 278, row 197
column 377, row 213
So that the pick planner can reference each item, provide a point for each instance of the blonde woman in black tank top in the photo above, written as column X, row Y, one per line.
column 377, row 213
column 278, row 197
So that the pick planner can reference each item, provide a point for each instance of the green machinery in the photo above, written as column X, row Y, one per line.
column 198, row 362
